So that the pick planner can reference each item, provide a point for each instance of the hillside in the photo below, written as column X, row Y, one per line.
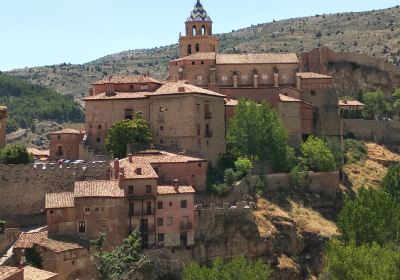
column 28, row 103
column 374, row 33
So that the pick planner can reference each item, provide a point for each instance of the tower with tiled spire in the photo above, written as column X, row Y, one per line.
column 199, row 37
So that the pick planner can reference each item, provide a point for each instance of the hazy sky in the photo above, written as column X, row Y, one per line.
column 44, row 32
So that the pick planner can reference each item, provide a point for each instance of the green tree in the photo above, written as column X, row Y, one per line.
column 15, row 154
column 238, row 268
column 391, row 182
column 33, row 258
column 396, row 102
column 136, row 132
column 364, row 262
column 375, row 104
column 257, row 132
column 371, row 217
column 124, row 262
column 317, row 156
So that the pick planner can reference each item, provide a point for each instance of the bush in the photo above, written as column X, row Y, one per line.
column 391, row 182
column 33, row 258
column 15, row 154
column 354, row 150
column 298, row 176
column 242, row 165
column 229, row 177
column 220, row 189
column 317, row 156
column 261, row 186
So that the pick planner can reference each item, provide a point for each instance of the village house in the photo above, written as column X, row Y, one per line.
column 3, row 125
column 64, row 144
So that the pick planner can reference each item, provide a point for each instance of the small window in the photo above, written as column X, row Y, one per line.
column 160, row 205
column 199, row 164
column 313, row 92
column 99, row 126
column 161, row 109
column 161, row 127
column 130, row 189
column 96, row 209
column 82, row 226
column 202, row 63
column 170, row 204
column 128, row 114
column 87, row 210
column 98, row 140
column 160, row 222
column 161, row 237
column 169, row 221
column 148, row 189
column 193, row 63
column 183, row 203
column 161, row 142
column 51, row 212
column 104, row 224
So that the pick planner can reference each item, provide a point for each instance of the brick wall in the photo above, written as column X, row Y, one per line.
column 23, row 188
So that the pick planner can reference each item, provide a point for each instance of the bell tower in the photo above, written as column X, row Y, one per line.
column 199, row 37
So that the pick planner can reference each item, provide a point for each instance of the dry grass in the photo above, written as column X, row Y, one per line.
column 365, row 174
column 378, row 152
column 265, row 211
column 311, row 221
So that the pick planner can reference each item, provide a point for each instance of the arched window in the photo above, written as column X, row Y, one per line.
column 194, row 30
column 189, row 49
column 203, row 30
column 197, row 47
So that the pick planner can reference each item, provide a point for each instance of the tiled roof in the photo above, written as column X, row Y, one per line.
column 198, row 13
column 257, row 58
column 27, row 239
column 40, row 153
column 350, row 103
column 231, row 102
column 104, row 188
column 165, row 190
column 142, row 79
column 198, row 56
column 144, row 160
column 183, row 88
column 32, row 273
column 285, row 98
column 58, row 246
column 67, row 131
column 118, row 95
column 312, row 75
column 59, row 200
column 7, row 271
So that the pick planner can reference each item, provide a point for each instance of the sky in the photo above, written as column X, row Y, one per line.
column 46, row 32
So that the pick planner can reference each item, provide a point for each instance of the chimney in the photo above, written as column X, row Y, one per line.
column 130, row 158
column 298, row 80
column 110, row 89
column 116, row 168
column 181, row 89
column 175, row 184
column 121, row 175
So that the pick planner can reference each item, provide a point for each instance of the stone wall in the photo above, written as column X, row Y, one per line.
column 8, row 238
column 23, row 188
column 382, row 132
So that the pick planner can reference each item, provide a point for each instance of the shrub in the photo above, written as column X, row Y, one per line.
column 261, row 186
column 354, row 150
column 15, row 154
column 317, row 156
column 229, row 177
column 220, row 189
column 298, row 176
column 33, row 258
column 242, row 165
column 391, row 182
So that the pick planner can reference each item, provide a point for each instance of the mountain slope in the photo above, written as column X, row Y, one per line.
column 27, row 102
column 375, row 33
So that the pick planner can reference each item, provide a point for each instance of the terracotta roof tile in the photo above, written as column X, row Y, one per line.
column 183, row 88
column 141, row 79
column 350, row 103
column 118, row 95
column 58, row 246
column 27, row 239
column 198, row 56
column 32, row 273
column 67, row 131
column 98, row 189
column 7, row 271
column 312, row 75
column 166, row 190
column 140, row 168
column 257, row 58
column 59, row 200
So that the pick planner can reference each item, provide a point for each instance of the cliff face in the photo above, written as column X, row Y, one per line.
column 353, row 73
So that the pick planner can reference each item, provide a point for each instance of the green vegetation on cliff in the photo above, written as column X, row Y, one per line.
column 27, row 102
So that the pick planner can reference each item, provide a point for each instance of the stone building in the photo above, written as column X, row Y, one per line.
column 3, row 125
column 144, row 192
column 257, row 76
column 64, row 144
column 180, row 115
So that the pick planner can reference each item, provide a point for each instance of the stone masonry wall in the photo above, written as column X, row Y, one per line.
column 7, row 238
column 23, row 188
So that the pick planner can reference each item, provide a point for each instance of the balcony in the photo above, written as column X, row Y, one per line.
column 141, row 213
column 208, row 115
column 186, row 226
